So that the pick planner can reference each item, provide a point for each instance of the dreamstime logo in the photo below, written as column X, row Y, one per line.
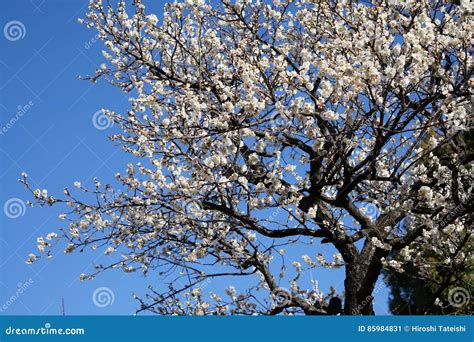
column 14, row 30
column 258, row 171
column 371, row 211
column 280, row 122
column 255, row 171
column 281, row 297
column 458, row 297
column 14, row 208
column 101, row 121
column 47, row 329
column 103, row 296
column 192, row 208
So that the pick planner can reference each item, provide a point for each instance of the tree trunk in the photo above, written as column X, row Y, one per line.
column 361, row 276
column 351, row 287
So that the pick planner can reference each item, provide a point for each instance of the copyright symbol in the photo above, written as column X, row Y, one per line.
column 406, row 328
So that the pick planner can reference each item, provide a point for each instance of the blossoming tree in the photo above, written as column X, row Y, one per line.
column 261, row 127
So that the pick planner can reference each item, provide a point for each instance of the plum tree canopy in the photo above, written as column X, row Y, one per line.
column 261, row 128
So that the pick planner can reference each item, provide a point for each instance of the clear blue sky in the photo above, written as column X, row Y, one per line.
column 55, row 142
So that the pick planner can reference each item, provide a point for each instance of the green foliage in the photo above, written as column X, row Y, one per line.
column 413, row 295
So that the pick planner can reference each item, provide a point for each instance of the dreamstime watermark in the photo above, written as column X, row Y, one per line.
column 203, row 284
column 46, row 330
column 101, row 120
column 255, row 170
column 21, row 288
column 280, row 122
column 14, row 30
column 456, row 211
column 103, row 296
column 369, row 299
column 458, row 297
column 371, row 211
column 91, row 42
column 14, row 208
column 281, row 297
column 273, row 216
column 192, row 207
column 21, row 110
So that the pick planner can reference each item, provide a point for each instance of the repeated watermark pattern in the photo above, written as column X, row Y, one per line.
column 457, row 210
column 371, row 211
column 101, row 120
column 21, row 288
column 281, row 297
column 14, row 30
column 14, row 208
column 91, row 42
column 458, row 297
column 103, row 296
column 192, row 208
column 21, row 110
